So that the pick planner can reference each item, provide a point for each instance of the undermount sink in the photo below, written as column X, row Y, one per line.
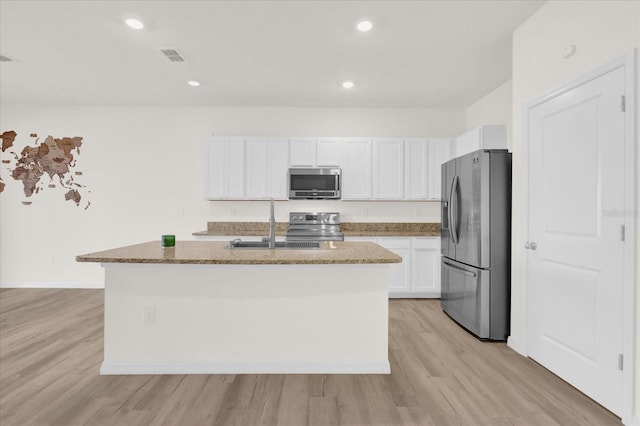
column 279, row 244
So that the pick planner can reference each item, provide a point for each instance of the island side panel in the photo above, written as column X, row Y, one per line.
column 208, row 319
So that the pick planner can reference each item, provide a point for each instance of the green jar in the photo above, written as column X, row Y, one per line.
column 168, row 240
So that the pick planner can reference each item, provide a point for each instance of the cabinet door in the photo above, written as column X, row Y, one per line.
column 425, row 266
column 416, row 169
column 277, row 168
column 483, row 137
column 329, row 152
column 256, row 171
column 216, row 170
column 356, row 170
column 303, row 152
column 388, row 169
column 439, row 153
column 493, row 137
column 468, row 142
column 399, row 273
column 235, row 168
column 225, row 169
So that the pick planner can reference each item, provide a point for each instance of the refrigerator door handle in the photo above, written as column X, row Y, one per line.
column 453, row 210
column 449, row 209
column 459, row 269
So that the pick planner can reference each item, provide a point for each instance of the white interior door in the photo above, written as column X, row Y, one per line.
column 575, row 247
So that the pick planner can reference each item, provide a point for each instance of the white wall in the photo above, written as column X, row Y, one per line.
column 601, row 31
column 144, row 168
column 494, row 108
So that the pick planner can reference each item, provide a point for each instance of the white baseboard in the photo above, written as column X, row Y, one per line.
column 635, row 421
column 514, row 344
column 413, row 295
column 51, row 285
column 132, row 368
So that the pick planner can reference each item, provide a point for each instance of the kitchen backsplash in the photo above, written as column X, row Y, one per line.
column 350, row 211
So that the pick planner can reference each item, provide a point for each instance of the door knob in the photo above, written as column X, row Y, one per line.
column 533, row 245
column 527, row 245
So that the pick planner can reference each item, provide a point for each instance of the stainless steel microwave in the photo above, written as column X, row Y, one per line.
column 320, row 183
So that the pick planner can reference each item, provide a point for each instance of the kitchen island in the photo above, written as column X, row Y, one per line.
column 201, row 308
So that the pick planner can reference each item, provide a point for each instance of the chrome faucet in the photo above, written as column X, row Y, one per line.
column 272, row 228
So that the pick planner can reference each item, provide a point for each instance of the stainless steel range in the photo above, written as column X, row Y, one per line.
column 314, row 226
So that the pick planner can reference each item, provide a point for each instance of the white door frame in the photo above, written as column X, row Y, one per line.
column 629, row 314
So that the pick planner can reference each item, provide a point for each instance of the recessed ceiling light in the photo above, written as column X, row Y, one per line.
column 347, row 84
column 193, row 83
column 364, row 26
column 134, row 23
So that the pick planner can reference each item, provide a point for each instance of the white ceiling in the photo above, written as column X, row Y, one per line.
column 433, row 54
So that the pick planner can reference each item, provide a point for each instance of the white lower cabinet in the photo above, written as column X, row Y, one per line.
column 399, row 273
column 425, row 271
column 418, row 276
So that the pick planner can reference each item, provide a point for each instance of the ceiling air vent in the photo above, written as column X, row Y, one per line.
column 172, row 54
column 5, row 59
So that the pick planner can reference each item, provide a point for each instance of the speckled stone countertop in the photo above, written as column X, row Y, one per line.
column 390, row 229
column 242, row 229
column 350, row 229
column 215, row 252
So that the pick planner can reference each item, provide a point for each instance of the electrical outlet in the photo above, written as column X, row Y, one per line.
column 150, row 314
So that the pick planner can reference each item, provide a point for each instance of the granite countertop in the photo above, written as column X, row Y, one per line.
column 390, row 229
column 215, row 252
column 350, row 229
column 249, row 229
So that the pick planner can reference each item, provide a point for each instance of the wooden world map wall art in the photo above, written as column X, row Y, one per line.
column 52, row 157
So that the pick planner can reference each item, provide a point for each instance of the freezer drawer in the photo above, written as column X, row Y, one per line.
column 465, row 296
column 476, row 299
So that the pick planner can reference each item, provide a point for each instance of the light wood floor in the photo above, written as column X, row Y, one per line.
column 51, row 350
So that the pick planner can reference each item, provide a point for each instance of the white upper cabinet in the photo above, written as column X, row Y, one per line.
column 423, row 160
column 329, row 152
column 483, row 137
column 266, row 165
column 388, row 169
column 303, row 152
column 415, row 168
column 277, row 168
column 439, row 153
column 255, row 168
column 316, row 152
column 356, row 169
column 225, row 168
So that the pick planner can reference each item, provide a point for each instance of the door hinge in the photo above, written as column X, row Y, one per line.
column 620, row 362
column 622, row 232
column 623, row 104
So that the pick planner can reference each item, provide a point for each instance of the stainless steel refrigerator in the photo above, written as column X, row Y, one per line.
column 476, row 242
